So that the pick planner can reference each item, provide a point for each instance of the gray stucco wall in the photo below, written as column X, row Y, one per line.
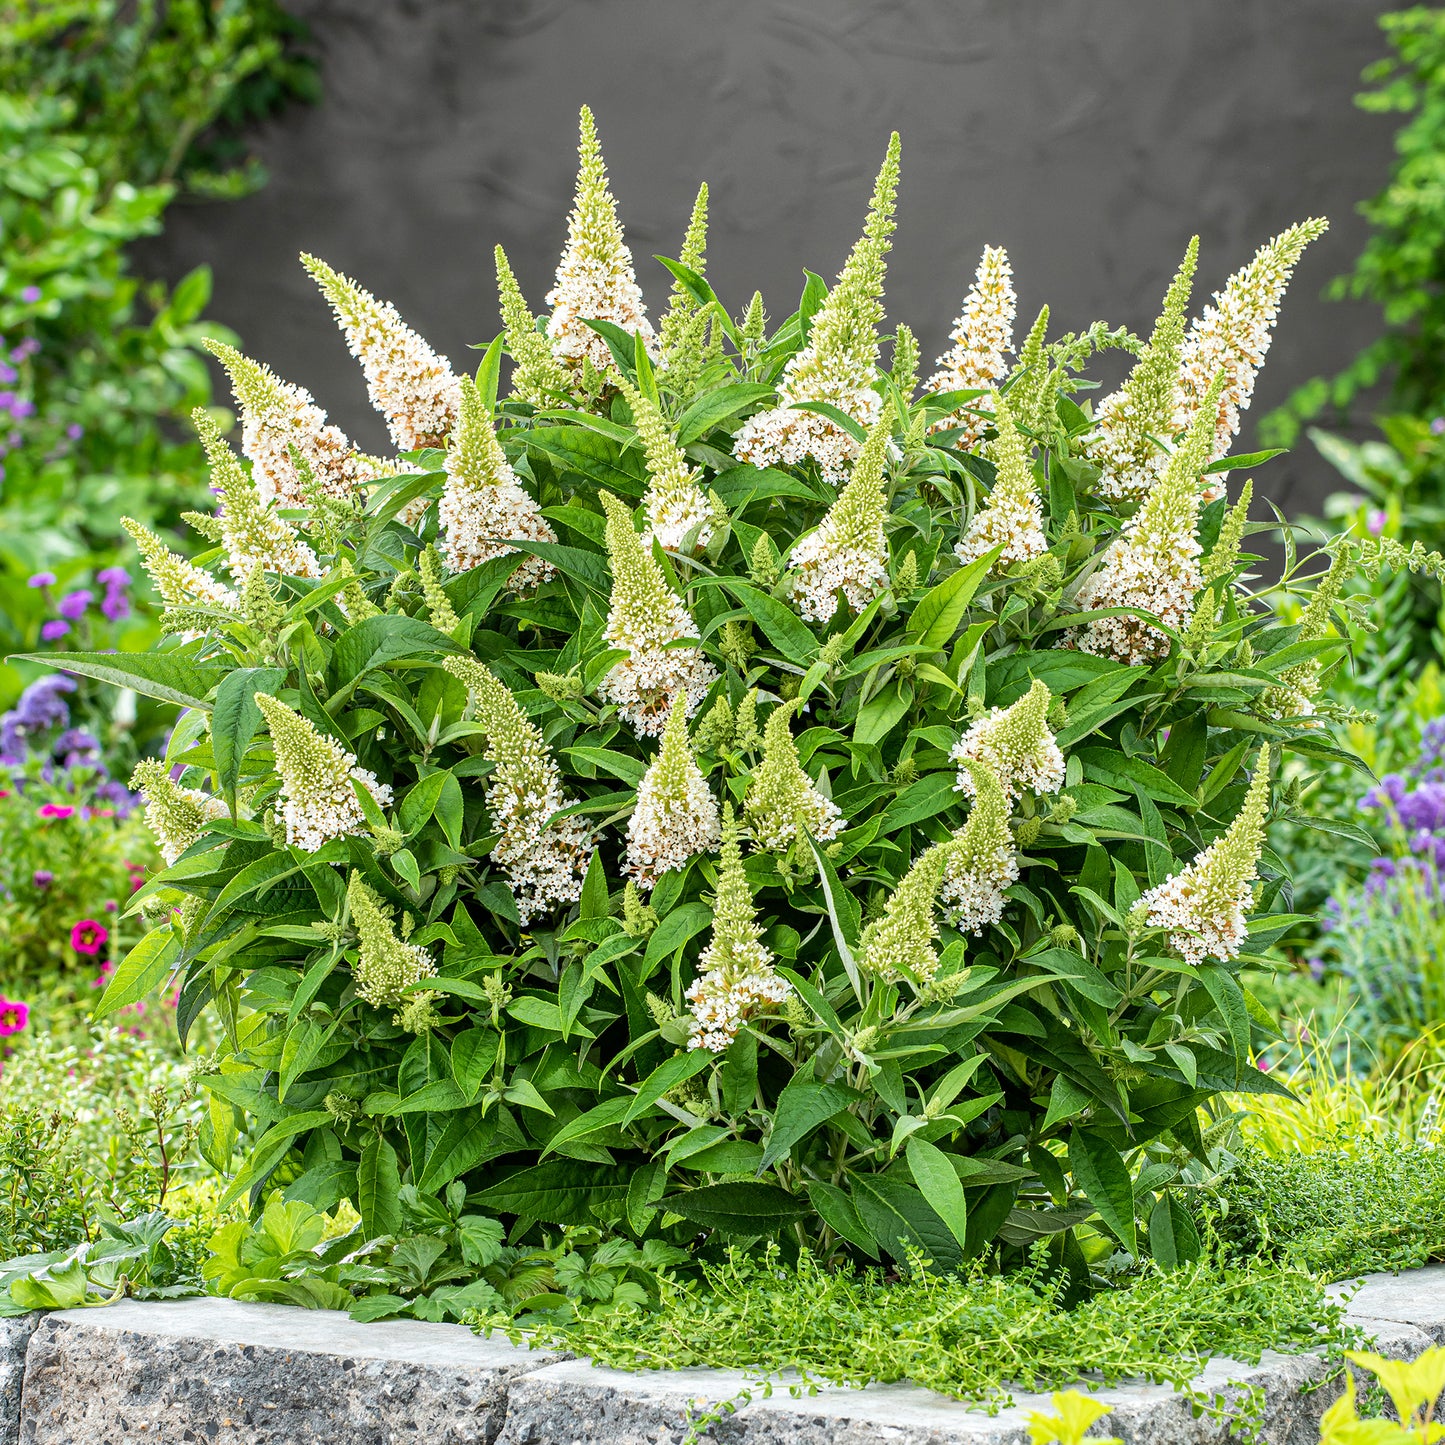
column 1090, row 137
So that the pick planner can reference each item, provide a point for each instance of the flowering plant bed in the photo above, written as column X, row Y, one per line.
column 714, row 790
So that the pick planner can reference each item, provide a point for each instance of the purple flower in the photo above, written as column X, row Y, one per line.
column 73, row 604
column 42, row 579
column 30, row 295
column 53, row 630
column 1376, row 521
column 75, row 431
column 1438, row 426
column 8, row 374
column 113, row 577
column 23, row 408
column 25, row 350
column 115, row 604
column 42, row 878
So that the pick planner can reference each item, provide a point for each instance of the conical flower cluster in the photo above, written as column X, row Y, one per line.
column 1204, row 906
column 675, row 506
column 676, row 815
column 1294, row 695
column 1013, row 517
column 1154, row 565
column 737, row 976
column 385, row 966
column 1233, row 335
column 536, row 375
column 316, row 775
column 982, row 338
column 176, row 815
column 408, row 383
column 848, row 552
column 251, row 532
column 181, row 584
column 839, row 365
column 278, row 418
column 595, row 279
column 782, row 801
column 644, row 616
column 544, row 863
column 899, row 944
column 981, row 859
column 1136, row 421
column 1017, row 745
column 686, row 326
column 484, row 504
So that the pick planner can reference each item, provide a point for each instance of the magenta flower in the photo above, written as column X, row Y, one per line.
column 42, row 579
column 1376, row 520
column 14, row 1016
column 53, row 630
column 103, row 977
column 73, row 604
column 54, row 810
column 88, row 936
column 30, row 295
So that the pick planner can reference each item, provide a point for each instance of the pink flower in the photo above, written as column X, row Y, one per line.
column 103, row 977
column 14, row 1016
column 88, row 936
column 53, row 810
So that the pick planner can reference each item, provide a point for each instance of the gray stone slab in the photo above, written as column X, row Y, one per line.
column 208, row 1370
column 573, row 1403
column 1416, row 1297
column 14, row 1340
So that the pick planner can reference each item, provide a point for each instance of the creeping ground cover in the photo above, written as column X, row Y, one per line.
column 707, row 787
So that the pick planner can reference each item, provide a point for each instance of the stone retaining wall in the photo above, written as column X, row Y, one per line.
column 217, row 1372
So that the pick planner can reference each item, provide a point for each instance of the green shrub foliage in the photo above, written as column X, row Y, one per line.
column 715, row 791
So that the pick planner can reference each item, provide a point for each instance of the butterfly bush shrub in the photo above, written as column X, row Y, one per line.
column 711, row 786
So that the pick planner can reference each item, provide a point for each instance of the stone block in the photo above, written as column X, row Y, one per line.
column 212, row 1370
column 14, row 1340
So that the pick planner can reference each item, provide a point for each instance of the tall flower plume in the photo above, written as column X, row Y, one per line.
column 1154, row 564
column 674, row 505
column 251, row 531
column 676, row 815
column 982, row 338
column 408, row 383
column 1204, row 906
column 537, row 377
column 1013, row 517
column 685, row 325
column 595, row 279
column 1298, row 686
column 839, row 364
column 386, row 967
column 277, row 417
column 317, row 776
column 181, row 584
column 899, row 944
column 848, row 551
column 544, row 863
column 737, row 976
column 1017, row 745
column 981, row 861
column 1233, row 334
column 643, row 617
column 484, row 504
column 176, row 815
column 782, row 800
column 1146, row 411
